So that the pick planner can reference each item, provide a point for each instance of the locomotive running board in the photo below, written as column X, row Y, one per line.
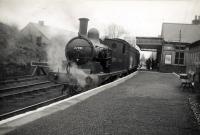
column 106, row 76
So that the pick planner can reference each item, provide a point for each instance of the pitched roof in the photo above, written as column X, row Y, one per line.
column 195, row 44
column 189, row 33
column 49, row 32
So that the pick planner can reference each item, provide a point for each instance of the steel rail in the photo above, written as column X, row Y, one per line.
column 32, row 107
column 28, row 92
column 19, row 80
column 22, row 86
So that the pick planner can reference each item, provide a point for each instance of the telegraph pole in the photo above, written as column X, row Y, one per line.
column 179, row 47
column 180, row 36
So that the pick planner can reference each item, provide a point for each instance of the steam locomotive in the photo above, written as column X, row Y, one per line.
column 105, row 59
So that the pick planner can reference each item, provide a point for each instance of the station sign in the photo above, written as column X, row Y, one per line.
column 39, row 64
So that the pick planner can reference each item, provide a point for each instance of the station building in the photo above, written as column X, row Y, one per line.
column 173, row 46
column 176, row 38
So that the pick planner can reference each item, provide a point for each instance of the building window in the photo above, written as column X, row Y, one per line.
column 179, row 58
column 39, row 41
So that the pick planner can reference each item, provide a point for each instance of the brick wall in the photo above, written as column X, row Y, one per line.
column 172, row 68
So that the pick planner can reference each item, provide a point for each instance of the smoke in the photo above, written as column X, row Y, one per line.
column 79, row 74
column 62, row 13
column 85, row 80
column 55, row 52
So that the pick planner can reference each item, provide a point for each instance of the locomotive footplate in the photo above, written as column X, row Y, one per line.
column 109, row 77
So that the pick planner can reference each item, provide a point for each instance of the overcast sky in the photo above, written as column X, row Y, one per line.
column 139, row 17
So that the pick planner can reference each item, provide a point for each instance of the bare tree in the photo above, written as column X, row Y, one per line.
column 115, row 31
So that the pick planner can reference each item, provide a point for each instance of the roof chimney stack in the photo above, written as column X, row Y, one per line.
column 41, row 23
column 196, row 20
column 83, row 27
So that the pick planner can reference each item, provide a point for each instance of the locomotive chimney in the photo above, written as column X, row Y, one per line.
column 83, row 27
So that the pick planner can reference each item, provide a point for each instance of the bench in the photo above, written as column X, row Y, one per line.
column 187, row 80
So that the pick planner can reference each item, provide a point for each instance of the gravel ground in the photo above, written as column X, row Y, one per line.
column 149, row 103
column 195, row 106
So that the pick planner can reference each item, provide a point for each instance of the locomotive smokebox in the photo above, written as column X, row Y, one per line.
column 83, row 27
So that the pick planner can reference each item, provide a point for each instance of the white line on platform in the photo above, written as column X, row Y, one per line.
column 11, row 123
column 154, row 72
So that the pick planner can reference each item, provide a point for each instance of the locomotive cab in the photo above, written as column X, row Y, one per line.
column 103, row 53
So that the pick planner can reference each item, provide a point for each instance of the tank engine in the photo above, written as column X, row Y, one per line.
column 101, row 60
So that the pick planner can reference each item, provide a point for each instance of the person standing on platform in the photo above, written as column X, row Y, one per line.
column 148, row 63
column 152, row 64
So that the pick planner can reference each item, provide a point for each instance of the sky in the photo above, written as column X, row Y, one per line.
column 138, row 17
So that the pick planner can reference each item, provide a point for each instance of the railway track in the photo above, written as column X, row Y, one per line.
column 7, row 85
column 31, row 107
column 27, row 95
column 14, row 88
column 19, row 79
column 23, row 92
column 13, row 102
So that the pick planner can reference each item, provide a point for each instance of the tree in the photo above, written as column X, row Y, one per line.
column 8, row 37
column 115, row 31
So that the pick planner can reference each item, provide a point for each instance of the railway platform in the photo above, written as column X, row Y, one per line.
column 149, row 103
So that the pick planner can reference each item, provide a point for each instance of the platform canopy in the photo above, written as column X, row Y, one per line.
column 148, row 43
